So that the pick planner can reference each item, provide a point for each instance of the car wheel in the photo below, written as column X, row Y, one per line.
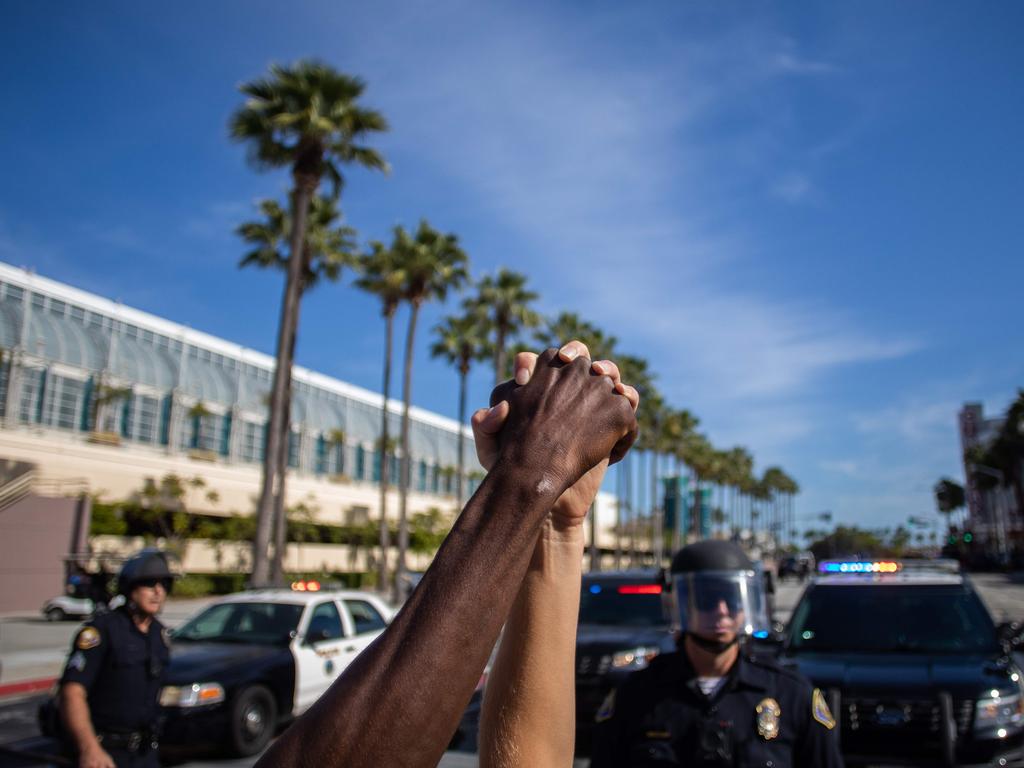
column 55, row 614
column 253, row 718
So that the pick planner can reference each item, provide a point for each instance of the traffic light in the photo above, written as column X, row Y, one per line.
column 968, row 537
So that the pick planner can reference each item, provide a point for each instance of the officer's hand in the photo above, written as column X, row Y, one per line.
column 95, row 757
column 571, row 508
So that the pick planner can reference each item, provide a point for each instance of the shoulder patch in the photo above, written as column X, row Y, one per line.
column 820, row 710
column 607, row 708
column 88, row 638
column 77, row 661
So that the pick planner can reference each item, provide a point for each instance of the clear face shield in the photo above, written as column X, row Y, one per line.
column 720, row 605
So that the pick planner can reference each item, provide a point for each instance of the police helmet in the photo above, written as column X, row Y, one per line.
column 147, row 565
column 717, row 592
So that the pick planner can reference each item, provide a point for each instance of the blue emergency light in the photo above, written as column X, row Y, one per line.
column 859, row 566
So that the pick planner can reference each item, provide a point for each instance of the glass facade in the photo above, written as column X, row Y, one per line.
column 185, row 391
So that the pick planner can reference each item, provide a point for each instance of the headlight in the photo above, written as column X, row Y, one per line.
column 635, row 658
column 195, row 695
column 999, row 714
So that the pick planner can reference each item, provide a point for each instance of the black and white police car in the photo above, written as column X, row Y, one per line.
column 916, row 670
column 253, row 660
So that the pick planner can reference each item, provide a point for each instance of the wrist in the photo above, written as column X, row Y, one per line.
column 537, row 472
column 569, row 532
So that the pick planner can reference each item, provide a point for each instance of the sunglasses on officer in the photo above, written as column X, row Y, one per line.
column 710, row 598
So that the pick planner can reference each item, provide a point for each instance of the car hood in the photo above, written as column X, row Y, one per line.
column 966, row 675
column 609, row 636
column 194, row 662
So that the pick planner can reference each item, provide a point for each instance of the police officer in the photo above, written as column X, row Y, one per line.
column 712, row 702
column 110, row 689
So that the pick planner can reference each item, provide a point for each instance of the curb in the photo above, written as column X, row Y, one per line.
column 22, row 687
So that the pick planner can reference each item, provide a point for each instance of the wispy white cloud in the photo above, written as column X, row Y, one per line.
column 793, row 187
column 790, row 63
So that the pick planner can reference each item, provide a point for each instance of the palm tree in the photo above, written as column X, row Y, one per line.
column 329, row 247
column 432, row 264
column 699, row 456
column 461, row 341
column 678, row 429
column 307, row 118
column 505, row 301
column 568, row 326
column 556, row 332
column 380, row 276
column 635, row 371
column 739, row 464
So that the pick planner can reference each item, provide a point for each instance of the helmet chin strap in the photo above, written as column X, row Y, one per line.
column 712, row 646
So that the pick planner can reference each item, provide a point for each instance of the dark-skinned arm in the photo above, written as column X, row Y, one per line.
column 529, row 710
column 399, row 702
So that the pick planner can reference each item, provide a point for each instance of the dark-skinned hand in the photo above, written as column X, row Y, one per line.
column 612, row 393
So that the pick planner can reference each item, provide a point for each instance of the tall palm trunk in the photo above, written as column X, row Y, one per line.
column 406, row 470
column 383, row 532
column 695, row 523
column 620, row 512
column 280, row 513
column 302, row 194
column 657, row 540
column 499, row 354
column 595, row 549
column 463, row 381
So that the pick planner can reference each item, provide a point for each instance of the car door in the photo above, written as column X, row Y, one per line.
column 366, row 621
column 320, row 654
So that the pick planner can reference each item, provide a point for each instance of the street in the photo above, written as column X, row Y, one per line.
column 32, row 646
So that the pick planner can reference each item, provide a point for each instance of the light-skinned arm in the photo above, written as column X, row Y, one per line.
column 529, row 710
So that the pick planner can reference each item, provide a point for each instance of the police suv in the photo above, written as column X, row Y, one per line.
column 915, row 669
column 253, row 660
column 622, row 626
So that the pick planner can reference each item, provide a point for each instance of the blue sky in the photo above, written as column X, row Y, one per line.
column 807, row 217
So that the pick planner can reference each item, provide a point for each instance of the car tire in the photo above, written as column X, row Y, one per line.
column 55, row 614
column 253, row 720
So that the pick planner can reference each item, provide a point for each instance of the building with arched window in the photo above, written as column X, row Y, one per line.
column 101, row 396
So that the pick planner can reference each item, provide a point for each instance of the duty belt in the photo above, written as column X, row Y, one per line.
column 132, row 741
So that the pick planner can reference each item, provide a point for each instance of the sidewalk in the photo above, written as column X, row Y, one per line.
column 32, row 651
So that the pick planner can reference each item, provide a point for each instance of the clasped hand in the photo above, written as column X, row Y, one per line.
column 564, row 416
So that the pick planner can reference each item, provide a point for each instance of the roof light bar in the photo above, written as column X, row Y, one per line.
column 640, row 589
column 859, row 566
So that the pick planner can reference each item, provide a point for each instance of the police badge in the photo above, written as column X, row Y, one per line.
column 768, row 713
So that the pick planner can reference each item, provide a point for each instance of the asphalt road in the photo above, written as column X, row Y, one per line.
column 1004, row 596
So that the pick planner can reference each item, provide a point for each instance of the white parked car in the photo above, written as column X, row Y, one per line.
column 253, row 660
column 65, row 607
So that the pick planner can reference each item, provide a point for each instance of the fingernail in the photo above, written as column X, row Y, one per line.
column 522, row 376
column 569, row 351
column 600, row 368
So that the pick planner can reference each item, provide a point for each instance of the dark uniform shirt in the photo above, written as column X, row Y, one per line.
column 761, row 715
column 121, row 669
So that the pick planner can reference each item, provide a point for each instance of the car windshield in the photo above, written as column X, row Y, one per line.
column 618, row 604
column 255, row 623
column 904, row 618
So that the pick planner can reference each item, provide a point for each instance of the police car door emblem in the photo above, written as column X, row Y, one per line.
column 820, row 710
column 329, row 667
column 768, row 713
column 88, row 638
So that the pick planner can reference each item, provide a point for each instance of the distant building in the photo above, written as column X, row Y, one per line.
column 103, row 397
column 992, row 514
